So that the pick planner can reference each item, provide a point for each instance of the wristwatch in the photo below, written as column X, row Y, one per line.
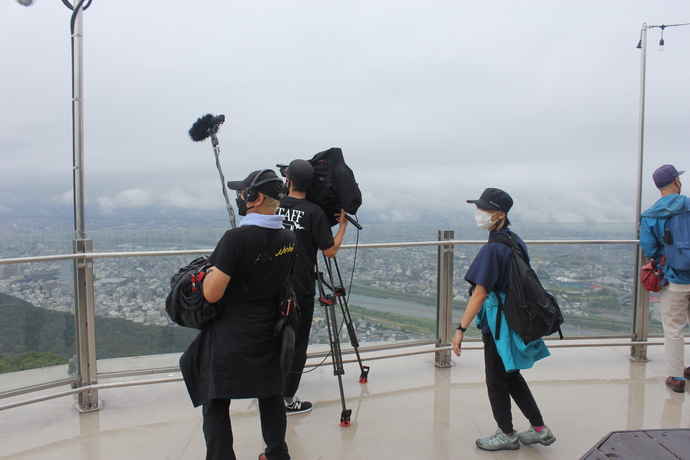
column 462, row 329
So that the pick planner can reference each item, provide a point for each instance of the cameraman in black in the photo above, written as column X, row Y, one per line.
column 237, row 356
column 313, row 231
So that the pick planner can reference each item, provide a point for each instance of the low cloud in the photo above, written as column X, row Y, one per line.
column 132, row 199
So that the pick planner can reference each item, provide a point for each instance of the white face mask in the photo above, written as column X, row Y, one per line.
column 483, row 219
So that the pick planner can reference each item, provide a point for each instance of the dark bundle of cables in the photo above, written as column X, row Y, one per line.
column 186, row 304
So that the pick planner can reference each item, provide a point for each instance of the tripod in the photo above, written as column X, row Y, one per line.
column 328, row 300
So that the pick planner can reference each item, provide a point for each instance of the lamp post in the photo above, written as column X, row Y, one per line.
column 83, row 267
column 641, row 312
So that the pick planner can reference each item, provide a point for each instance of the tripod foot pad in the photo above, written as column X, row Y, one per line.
column 345, row 418
column 364, row 376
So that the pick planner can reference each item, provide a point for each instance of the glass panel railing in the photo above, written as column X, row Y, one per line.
column 391, row 295
column 129, row 299
column 392, row 291
column 37, row 328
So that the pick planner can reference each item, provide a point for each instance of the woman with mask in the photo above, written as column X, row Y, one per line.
column 489, row 276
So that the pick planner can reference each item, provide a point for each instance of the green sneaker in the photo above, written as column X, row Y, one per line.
column 499, row 441
column 532, row 436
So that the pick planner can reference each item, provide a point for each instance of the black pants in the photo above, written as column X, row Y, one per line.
column 218, row 431
column 299, row 357
column 502, row 385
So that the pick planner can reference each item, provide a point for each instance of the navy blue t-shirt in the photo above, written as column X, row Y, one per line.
column 491, row 267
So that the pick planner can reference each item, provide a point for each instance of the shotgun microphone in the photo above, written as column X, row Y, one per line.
column 205, row 127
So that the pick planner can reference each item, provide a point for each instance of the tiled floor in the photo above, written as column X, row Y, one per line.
column 409, row 410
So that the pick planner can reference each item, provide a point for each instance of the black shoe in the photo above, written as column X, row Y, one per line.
column 297, row 407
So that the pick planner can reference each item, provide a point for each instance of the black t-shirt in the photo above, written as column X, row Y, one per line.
column 236, row 255
column 238, row 354
column 310, row 224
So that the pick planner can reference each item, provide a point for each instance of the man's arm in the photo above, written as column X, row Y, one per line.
column 214, row 284
column 338, row 238
column 649, row 243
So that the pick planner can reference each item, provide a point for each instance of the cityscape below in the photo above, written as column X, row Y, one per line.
column 392, row 291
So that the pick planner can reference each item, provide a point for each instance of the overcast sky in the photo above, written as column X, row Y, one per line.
column 431, row 102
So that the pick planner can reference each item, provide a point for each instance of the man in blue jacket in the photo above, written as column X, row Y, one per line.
column 675, row 296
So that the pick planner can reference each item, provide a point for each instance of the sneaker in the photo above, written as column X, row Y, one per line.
column 297, row 407
column 686, row 373
column 499, row 441
column 676, row 385
column 532, row 436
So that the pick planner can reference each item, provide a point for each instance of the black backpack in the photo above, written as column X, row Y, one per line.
column 334, row 187
column 530, row 311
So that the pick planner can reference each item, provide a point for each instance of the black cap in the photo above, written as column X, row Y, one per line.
column 301, row 173
column 494, row 199
column 267, row 182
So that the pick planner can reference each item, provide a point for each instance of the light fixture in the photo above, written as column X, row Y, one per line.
column 26, row 2
column 661, row 42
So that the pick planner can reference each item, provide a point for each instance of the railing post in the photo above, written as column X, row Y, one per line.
column 640, row 312
column 444, row 297
column 84, row 319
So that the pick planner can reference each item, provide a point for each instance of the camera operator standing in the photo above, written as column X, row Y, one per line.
column 311, row 226
column 237, row 356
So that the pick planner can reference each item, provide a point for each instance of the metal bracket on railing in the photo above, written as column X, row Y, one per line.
column 84, row 319
column 444, row 300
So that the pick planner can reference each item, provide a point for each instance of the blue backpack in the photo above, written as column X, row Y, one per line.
column 677, row 239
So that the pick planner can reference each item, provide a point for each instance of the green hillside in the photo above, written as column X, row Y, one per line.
column 28, row 329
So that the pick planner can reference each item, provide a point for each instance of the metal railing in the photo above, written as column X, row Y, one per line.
column 86, row 382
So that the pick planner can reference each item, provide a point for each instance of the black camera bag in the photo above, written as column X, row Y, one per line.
column 334, row 187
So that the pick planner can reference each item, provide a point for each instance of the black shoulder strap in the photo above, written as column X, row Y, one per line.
column 511, row 242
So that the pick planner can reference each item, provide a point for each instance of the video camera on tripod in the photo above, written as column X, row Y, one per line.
column 334, row 187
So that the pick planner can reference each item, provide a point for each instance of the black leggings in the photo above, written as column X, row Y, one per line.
column 218, row 430
column 502, row 385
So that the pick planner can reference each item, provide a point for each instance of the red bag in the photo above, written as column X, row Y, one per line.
column 651, row 275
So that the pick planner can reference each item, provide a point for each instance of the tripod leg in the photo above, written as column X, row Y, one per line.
column 342, row 301
column 327, row 301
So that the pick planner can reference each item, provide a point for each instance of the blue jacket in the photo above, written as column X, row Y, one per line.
column 652, row 229
column 512, row 350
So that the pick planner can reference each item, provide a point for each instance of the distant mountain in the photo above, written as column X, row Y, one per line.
column 25, row 328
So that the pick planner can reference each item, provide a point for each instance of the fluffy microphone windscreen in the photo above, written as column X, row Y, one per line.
column 200, row 129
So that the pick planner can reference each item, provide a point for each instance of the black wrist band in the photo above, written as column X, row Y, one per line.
column 462, row 329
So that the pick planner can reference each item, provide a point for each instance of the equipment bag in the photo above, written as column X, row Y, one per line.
column 185, row 303
column 334, row 186
column 677, row 239
column 529, row 310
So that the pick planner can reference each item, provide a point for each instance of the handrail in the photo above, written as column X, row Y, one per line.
column 101, row 386
column 392, row 348
column 179, row 252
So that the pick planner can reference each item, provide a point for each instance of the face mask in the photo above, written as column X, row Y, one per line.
column 241, row 207
column 483, row 219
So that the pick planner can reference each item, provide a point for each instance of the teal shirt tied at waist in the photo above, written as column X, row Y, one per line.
column 512, row 350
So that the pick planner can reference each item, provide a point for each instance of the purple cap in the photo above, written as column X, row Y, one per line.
column 665, row 175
